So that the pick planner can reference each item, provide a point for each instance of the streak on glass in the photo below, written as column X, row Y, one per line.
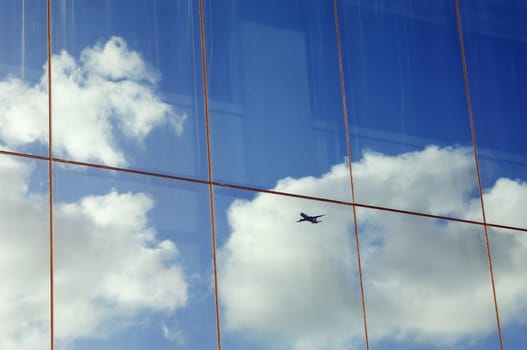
column 23, row 77
column 127, row 85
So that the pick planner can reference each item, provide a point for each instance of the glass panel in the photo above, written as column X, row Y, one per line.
column 509, row 258
column 133, row 263
column 495, row 37
column 24, row 257
column 427, row 283
column 127, row 86
column 23, row 77
column 285, row 284
column 275, row 100
column 410, row 131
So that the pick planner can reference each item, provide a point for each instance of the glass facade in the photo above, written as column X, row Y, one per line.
column 303, row 175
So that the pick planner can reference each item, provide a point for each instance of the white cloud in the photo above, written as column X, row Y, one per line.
column 434, row 180
column 176, row 335
column 113, row 61
column 505, row 202
column 426, row 281
column 281, row 282
column 24, row 113
column 109, row 91
column 121, row 270
column 109, row 266
column 24, row 269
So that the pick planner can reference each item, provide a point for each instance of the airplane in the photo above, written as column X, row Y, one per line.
column 311, row 219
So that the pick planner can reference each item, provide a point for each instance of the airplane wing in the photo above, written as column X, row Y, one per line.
column 319, row 216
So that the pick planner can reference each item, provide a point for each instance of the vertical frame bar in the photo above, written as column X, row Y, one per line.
column 209, row 166
column 472, row 131
column 50, row 172
column 348, row 146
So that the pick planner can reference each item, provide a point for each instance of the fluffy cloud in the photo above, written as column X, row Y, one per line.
column 108, row 92
column 433, row 180
column 121, row 270
column 173, row 335
column 24, row 269
column 287, row 282
column 293, row 285
column 109, row 266
column 426, row 281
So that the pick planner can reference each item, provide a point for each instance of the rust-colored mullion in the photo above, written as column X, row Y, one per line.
column 348, row 149
column 260, row 190
column 130, row 171
column 24, row 155
column 50, row 179
column 209, row 167
column 473, row 133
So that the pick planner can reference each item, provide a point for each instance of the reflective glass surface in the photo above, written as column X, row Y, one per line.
column 509, row 258
column 133, row 258
column 427, row 283
column 24, row 259
column 23, row 76
column 127, row 85
column 409, row 127
column 495, row 37
column 285, row 284
column 133, row 262
column 275, row 100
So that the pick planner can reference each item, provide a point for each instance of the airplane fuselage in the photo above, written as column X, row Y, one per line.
column 311, row 219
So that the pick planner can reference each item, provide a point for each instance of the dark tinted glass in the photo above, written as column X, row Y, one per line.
column 495, row 36
column 275, row 99
column 409, row 127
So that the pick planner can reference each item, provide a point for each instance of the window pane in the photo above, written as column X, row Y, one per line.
column 509, row 258
column 23, row 77
column 133, row 262
column 285, row 284
column 410, row 131
column 427, row 283
column 495, row 36
column 127, row 85
column 24, row 257
column 275, row 100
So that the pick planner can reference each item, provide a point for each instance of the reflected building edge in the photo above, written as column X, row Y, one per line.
column 274, row 91
column 133, row 251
